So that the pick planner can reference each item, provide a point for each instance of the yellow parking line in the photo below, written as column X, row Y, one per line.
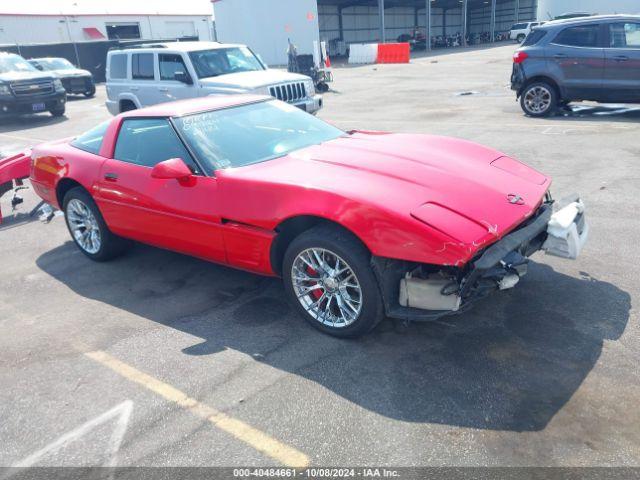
column 262, row 442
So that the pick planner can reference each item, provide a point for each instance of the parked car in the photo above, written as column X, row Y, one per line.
column 24, row 89
column 75, row 80
column 595, row 58
column 519, row 31
column 163, row 72
column 358, row 224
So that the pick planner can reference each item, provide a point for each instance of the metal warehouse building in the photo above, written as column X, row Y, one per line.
column 265, row 25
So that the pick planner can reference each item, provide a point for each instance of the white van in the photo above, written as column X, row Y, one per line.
column 519, row 31
column 162, row 72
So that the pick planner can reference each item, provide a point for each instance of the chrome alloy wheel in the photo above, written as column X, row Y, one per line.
column 327, row 287
column 84, row 226
column 537, row 99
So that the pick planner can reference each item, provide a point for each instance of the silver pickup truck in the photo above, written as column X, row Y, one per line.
column 163, row 72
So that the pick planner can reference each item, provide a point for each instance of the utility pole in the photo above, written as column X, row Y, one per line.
column 428, row 24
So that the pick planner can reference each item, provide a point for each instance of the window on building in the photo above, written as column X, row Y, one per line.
column 142, row 66
column 582, row 36
column 121, row 31
column 118, row 66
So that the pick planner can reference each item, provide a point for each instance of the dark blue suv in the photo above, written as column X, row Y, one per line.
column 595, row 58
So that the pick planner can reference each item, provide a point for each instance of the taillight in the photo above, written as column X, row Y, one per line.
column 520, row 57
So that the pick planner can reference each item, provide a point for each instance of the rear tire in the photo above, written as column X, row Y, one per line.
column 88, row 229
column 346, row 304
column 539, row 99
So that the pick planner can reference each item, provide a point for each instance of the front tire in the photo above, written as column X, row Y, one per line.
column 90, row 93
column 539, row 99
column 329, row 280
column 58, row 111
column 520, row 38
column 88, row 229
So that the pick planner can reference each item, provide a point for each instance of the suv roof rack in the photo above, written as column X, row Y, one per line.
column 141, row 45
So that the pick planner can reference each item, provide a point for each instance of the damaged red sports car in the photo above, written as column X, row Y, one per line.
column 358, row 224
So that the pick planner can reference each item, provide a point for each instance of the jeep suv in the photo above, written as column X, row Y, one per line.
column 595, row 58
column 155, row 73
column 24, row 89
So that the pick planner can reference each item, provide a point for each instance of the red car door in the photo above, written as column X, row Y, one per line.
column 180, row 216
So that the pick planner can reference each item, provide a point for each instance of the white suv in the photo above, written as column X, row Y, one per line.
column 163, row 72
column 519, row 31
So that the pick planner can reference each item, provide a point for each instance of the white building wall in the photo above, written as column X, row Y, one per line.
column 266, row 25
column 551, row 8
column 29, row 29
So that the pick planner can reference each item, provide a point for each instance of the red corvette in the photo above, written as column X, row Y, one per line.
column 358, row 224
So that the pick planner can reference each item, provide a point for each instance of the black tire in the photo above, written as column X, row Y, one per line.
column 58, row 111
column 90, row 93
column 127, row 106
column 111, row 245
column 520, row 38
column 548, row 95
column 351, row 251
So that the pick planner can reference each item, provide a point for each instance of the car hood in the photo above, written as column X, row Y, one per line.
column 15, row 76
column 70, row 73
column 251, row 80
column 462, row 189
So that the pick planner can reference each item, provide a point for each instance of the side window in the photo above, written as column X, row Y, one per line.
column 142, row 66
column 582, row 36
column 91, row 141
column 118, row 66
column 624, row 35
column 148, row 141
column 169, row 64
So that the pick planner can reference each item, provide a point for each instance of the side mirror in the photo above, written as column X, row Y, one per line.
column 183, row 77
column 174, row 168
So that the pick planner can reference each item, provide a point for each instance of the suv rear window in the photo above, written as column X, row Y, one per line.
column 519, row 26
column 534, row 37
column 142, row 66
column 581, row 36
column 118, row 66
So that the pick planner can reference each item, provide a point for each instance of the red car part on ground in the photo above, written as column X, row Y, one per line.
column 13, row 169
column 358, row 224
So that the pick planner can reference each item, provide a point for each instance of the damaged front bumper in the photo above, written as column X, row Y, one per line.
column 425, row 292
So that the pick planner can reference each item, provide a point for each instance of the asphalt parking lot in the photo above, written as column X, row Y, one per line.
column 161, row 359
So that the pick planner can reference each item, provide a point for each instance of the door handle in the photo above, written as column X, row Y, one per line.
column 164, row 90
column 621, row 58
column 111, row 177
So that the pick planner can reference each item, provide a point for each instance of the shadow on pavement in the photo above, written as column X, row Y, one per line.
column 509, row 364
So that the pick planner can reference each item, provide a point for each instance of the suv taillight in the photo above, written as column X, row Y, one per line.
column 520, row 57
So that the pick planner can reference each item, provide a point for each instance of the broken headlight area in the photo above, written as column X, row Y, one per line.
column 422, row 292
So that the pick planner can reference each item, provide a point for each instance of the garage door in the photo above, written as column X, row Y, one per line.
column 180, row 29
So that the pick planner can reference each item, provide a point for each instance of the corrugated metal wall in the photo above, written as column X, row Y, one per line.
column 361, row 23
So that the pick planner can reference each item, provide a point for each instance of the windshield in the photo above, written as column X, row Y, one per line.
column 211, row 63
column 252, row 133
column 14, row 63
column 55, row 64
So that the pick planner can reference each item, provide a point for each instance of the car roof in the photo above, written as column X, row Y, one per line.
column 178, row 46
column 591, row 19
column 195, row 105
